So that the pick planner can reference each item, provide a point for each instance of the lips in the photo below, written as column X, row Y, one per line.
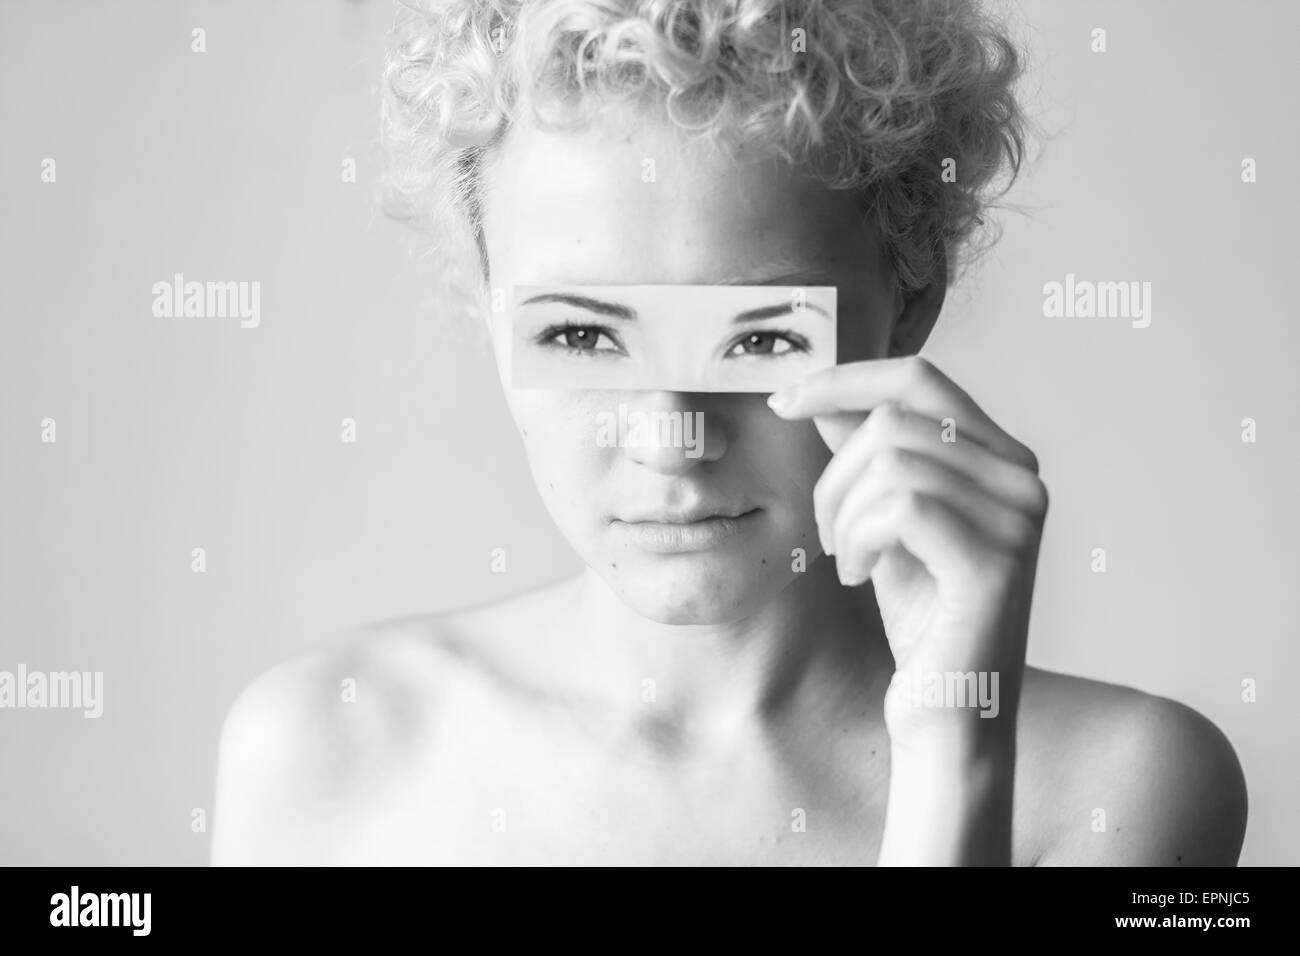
column 687, row 516
column 674, row 532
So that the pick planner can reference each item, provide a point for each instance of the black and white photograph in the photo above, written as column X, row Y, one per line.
column 649, row 433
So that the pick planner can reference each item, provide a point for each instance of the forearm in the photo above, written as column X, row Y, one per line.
column 950, row 802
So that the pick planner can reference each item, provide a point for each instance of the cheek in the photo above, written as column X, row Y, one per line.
column 558, row 433
column 783, row 460
column 804, row 456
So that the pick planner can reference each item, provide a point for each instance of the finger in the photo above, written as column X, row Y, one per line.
column 912, row 382
column 946, row 543
column 1001, row 526
column 890, row 426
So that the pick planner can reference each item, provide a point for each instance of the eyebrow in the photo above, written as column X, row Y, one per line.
column 618, row 311
column 772, row 311
column 612, row 309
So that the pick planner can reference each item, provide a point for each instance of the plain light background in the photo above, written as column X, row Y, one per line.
column 183, row 433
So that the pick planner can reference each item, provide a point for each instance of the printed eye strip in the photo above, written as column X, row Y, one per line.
column 680, row 338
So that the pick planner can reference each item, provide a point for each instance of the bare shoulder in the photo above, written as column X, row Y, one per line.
column 294, row 739
column 1125, row 778
column 317, row 736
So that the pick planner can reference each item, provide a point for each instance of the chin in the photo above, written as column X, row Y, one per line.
column 695, row 588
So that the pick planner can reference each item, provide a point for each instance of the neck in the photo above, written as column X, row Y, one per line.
column 813, row 651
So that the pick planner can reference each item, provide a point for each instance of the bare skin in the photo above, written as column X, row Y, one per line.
column 463, row 746
column 729, row 705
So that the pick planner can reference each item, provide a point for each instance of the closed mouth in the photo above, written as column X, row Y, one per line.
column 677, row 536
column 694, row 516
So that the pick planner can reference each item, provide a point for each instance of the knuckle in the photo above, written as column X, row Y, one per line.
column 1029, row 458
column 1040, row 499
column 1021, row 454
column 919, row 369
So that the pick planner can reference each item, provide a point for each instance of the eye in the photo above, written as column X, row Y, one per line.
column 767, row 344
column 573, row 337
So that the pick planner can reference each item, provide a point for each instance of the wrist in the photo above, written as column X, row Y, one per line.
column 950, row 799
column 957, row 741
column 965, row 711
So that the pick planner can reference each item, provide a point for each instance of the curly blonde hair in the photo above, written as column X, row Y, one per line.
column 873, row 96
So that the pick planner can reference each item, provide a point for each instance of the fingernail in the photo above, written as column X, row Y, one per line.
column 784, row 399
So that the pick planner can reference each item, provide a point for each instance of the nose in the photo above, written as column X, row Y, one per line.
column 673, row 432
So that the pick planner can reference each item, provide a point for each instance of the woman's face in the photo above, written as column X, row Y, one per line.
column 626, row 208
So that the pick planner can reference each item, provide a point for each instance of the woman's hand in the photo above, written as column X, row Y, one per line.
column 944, row 511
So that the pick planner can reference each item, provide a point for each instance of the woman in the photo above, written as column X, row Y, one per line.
column 758, row 664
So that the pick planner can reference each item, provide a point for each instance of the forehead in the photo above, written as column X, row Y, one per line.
column 607, row 207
